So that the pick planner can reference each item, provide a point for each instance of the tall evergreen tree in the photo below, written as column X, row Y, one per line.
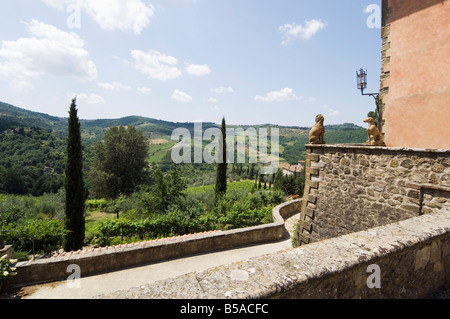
column 222, row 166
column 259, row 180
column 74, row 185
column 252, row 171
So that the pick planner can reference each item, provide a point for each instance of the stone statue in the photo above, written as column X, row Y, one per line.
column 375, row 137
column 317, row 133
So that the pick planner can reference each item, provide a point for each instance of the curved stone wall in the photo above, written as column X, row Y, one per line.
column 403, row 260
column 107, row 259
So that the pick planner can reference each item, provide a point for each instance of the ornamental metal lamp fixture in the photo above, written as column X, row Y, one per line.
column 361, row 80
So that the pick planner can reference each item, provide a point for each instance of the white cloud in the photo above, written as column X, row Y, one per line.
column 114, row 86
column 159, row 66
column 144, row 90
column 292, row 31
column 212, row 100
column 286, row 94
column 129, row 15
column 222, row 89
column 181, row 96
column 332, row 112
column 90, row 98
column 118, row 14
column 49, row 51
column 58, row 4
column 21, row 86
column 198, row 70
column 156, row 65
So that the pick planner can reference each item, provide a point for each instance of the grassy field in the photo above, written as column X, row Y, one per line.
column 94, row 219
column 158, row 151
column 247, row 185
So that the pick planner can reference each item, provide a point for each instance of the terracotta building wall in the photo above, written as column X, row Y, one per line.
column 415, row 80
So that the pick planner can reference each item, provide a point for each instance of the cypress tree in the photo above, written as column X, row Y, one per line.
column 221, row 177
column 259, row 181
column 252, row 171
column 74, row 185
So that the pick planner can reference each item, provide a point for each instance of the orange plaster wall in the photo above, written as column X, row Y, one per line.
column 417, row 107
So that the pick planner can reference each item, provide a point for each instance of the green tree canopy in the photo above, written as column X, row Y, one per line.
column 167, row 189
column 119, row 163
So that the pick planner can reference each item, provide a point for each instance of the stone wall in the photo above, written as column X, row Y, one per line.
column 408, row 259
column 350, row 188
column 114, row 258
column 7, row 250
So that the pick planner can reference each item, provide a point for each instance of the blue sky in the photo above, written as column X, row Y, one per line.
column 252, row 61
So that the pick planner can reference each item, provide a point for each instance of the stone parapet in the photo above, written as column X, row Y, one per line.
column 8, row 251
column 407, row 259
column 350, row 188
column 106, row 259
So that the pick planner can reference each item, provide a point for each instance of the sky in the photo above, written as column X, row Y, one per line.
column 251, row 61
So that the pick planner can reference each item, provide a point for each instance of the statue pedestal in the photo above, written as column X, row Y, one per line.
column 6, row 251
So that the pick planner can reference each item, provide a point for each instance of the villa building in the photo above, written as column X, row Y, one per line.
column 415, row 81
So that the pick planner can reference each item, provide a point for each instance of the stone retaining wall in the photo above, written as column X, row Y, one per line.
column 350, row 188
column 119, row 257
column 7, row 250
column 407, row 259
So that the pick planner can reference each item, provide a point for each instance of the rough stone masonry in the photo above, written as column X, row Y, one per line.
column 350, row 188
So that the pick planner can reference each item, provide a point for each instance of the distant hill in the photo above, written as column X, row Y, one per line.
column 33, row 125
column 153, row 129
column 12, row 117
column 343, row 127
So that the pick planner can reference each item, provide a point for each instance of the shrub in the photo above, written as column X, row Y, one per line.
column 248, row 218
column 50, row 205
column 94, row 205
column 192, row 212
column 47, row 205
column 7, row 271
column 46, row 234
column 190, row 217
column 11, row 215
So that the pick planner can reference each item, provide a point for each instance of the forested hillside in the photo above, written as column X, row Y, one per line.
column 335, row 134
column 32, row 161
column 33, row 147
column 12, row 117
column 158, row 200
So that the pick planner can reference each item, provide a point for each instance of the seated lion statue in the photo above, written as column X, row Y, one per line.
column 375, row 137
column 317, row 133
